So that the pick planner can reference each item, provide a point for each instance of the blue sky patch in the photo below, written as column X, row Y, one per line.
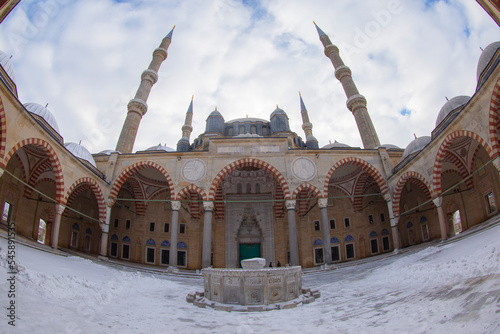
column 405, row 112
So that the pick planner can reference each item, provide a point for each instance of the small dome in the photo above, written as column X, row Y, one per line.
column 278, row 111
column 416, row 145
column 215, row 122
column 247, row 135
column 390, row 146
column 7, row 66
column 454, row 103
column 107, row 152
column 80, row 152
column 247, row 120
column 335, row 144
column 160, row 147
column 43, row 112
column 279, row 121
column 486, row 57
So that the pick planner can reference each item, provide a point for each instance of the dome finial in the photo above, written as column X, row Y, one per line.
column 414, row 135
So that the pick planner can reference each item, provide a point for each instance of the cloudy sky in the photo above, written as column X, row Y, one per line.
column 85, row 58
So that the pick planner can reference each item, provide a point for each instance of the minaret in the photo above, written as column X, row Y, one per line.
column 137, row 107
column 311, row 141
column 356, row 102
column 183, row 143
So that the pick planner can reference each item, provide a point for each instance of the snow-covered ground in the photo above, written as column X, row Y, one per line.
column 451, row 288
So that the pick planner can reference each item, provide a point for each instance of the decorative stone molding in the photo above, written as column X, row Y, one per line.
column 303, row 168
column 342, row 71
column 137, row 105
column 176, row 205
column 290, row 204
column 194, row 170
column 150, row 75
column 355, row 102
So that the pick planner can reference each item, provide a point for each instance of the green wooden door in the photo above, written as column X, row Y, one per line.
column 249, row 251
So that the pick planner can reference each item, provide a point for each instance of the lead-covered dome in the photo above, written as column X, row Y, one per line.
column 80, row 152
column 279, row 121
column 160, row 147
column 8, row 66
column 458, row 102
column 486, row 57
column 215, row 122
column 335, row 144
column 416, row 145
column 43, row 112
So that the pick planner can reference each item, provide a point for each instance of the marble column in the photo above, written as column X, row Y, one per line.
column 496, row 163
column 394, row 226
column 57, row 224
column 292, row 232
column 442, row 220
column 206, row 254
column 176, row 205
column 325, row 225
column 105, row 230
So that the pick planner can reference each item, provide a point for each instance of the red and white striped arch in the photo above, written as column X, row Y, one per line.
column 130, row 170
column 441, row 154
column 306, row 186
column 3, row 131
column 382, row 184
column 248, row 162
column 416, row 179
column 81, row 185
column 494, row 120
column 54, row 161
column 184, row 192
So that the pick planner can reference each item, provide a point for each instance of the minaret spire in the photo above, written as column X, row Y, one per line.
column 356, row 102
column 183, row 143
column 137, row 107
column 311, row 141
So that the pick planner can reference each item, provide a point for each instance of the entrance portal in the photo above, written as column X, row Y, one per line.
column 249, row 251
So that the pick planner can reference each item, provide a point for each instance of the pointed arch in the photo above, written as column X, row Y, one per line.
column 316, row 192
column 441, row 154
column 416, row 179
column 130, row 170
column 78, row 186
column 374, row 173
column 54, row 161
column 303, row 194
column 248, row 162
column 183, row 193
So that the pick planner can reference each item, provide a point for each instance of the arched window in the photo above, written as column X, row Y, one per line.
column 249, row 188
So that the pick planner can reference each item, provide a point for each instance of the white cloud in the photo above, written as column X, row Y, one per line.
column 85, row 59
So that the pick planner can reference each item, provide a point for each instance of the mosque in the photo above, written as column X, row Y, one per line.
column 250, row 187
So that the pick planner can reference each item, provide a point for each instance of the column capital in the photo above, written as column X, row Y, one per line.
column 290, row 204
column 438, row 201
column 208, row 205
column 394, row 221
column 110, row 202
column 323, row 202
column 387, row 197
column 176, row 205
column 1, row 172
column 104, row 227
column 60, row 208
